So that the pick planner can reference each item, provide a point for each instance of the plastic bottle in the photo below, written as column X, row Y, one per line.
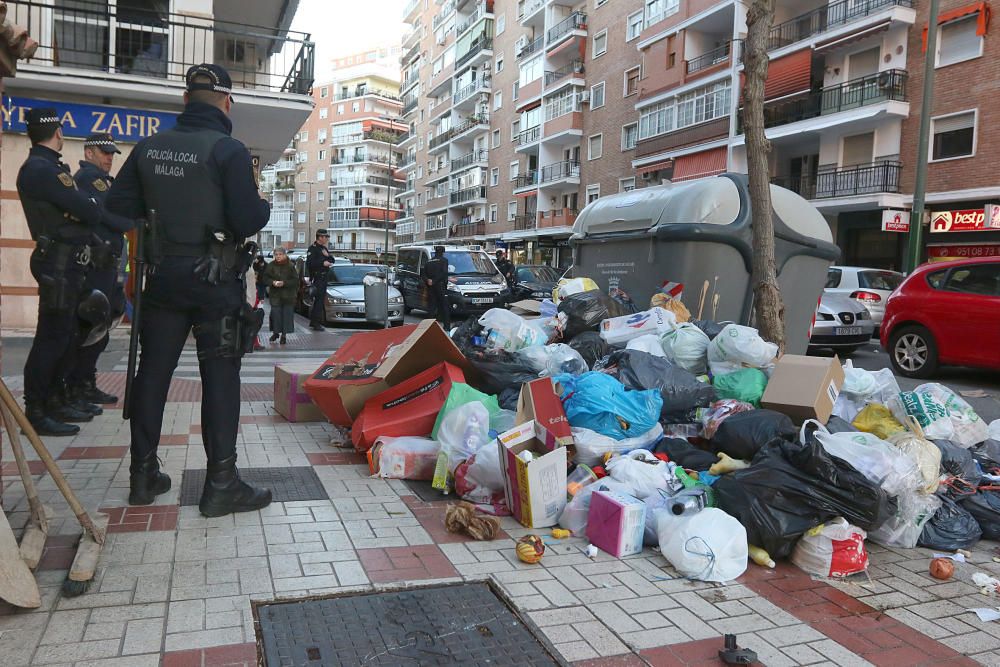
column 691, row 483
column 760, row 557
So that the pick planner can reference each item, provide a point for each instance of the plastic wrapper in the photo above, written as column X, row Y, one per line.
column 792, row 487
column 601, row 403
column 620, row 330
column 649, row 343
column 929, row 413
column 718, row 412
column 952, row 527
column 574, row 516
column 642, row 473
column 684, row 454
column 876, row 459
column 743, row 434
column 746, row 384
column 862, row 387
column 969, row 429
column 624, row 300
column 711, row 329
column 479, row 479
column 984, row 505
column 957, row 461
column 554, row 359
column 568, row 286
column 507, row 331
column 586, row 310
column 461, row 394
column 876, row 419
column 590, row 345
column 709, row 545
column 406, row 457
column 836, row 424
column 591, row 447
column 922, row 452
column 681, row 391
column 834, row 549
column 463, row 431
column 737, row 347
column 687, row 346
column 674, row 305
column 912, row 511
column 655, row 503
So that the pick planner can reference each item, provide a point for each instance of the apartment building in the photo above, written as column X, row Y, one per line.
column 118, row 66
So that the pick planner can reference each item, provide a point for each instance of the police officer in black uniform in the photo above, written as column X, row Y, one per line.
column 435, row 273
column 318, row 263
column 93, row 179
column 200, row 182
column 506, row 267
column 62, row 221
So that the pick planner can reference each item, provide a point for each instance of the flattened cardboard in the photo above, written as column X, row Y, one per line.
column 804, row 387
column 527, row 307
column 536, row 489
column 616, row 522
column 290, row 398
column 540, row 402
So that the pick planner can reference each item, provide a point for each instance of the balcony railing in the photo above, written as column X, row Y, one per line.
column 531, row 47
column 575, row 67
column 482, row 43
column 861, row 179
column 471, row 122
column 408, row 56
column 443, row 14
column 380, row 158
column 559, row 170
column 411, row 6
column 525, row 180
column 575, row 21
column 410, row 103
column 285, row 165
column 467, row 91
column 708, row 59
column 826, row 18
column 162, row 45
column 528, row 7
column 524, row 222
column 530, row 135
column 436, row 234
column 361, row 92
column 481, row 10
column 481, row 155
column 469, row 229
column 468, row 194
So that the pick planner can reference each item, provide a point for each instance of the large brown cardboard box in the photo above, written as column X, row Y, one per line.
column 804, row 387
column 290, row 398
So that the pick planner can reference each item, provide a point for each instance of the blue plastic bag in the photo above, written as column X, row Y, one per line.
column 601, row 403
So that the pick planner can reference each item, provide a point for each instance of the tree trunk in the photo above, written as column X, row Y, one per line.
column 768, row 305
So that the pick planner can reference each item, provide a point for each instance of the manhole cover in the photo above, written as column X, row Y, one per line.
column 464, row 624
column 286, row 484
column 422, row 489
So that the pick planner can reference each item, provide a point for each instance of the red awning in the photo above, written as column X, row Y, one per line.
column 699, row 165
column 528, row 193
column 982, row 23
column 656, row 166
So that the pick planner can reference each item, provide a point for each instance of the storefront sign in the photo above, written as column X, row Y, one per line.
column 81, row 120
column 895, row 221
column 939, row 253
column 971, row 220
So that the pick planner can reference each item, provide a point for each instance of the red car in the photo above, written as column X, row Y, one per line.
column 945, row 313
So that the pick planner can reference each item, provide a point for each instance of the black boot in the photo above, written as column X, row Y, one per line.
column 61, row 411
column 273, row 337
column 284, row 339
column 225, row 493
column 145, row 481
column 46, row 425
column 92, row 394
column 73, row 397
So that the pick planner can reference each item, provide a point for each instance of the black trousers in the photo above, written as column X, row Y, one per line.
column 57, row 330
column 317, row 314
column 83, row 368
column 442, row 309
column 174, row 301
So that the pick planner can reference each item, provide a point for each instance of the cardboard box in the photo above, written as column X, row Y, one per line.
column 536, row 489
column 527, row 308
column 616, row 522
column 369, row 363
column 409, row 408
column 539, row 401
column 290, row 398
column 804, row 387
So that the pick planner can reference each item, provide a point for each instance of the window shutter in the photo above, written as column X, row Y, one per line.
column 953, row 123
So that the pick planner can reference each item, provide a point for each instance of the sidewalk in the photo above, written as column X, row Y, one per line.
column 176, row 589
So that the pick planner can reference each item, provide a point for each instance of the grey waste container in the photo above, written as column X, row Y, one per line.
column 700, row 231
column 376, row 298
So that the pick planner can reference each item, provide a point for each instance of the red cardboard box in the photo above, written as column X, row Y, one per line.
column 409, row 408
column 369, row 363
column 540, row 402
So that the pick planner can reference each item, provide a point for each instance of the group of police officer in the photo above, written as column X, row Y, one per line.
column 200, row 182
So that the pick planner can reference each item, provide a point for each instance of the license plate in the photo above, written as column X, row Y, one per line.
column 483, row 300
column 848, row 331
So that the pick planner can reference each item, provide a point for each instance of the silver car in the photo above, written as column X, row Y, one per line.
column 842, row 324
column 345, row 294
column 870, row 287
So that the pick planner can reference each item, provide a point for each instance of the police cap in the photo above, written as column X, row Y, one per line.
column 103, row 141
column 322, row 232
column 42, row 117
column 219, row 81
column 439, row 250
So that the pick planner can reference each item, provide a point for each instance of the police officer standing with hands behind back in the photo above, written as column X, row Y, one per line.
column 435, row 273
column 318, row 263
column 200, row 182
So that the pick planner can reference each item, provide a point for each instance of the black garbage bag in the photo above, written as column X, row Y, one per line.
column 791, row 488
column 681, row 391
column 590, row 345
column 464, row 335
column 984, row 505
column 508, row 397
column 952, row 527
column 684, row 454
column 957, row 461
column 585, row 311
column 837, row 425
column 498, row 371
column 742, row 434
column 988, row 454
column 711, row 329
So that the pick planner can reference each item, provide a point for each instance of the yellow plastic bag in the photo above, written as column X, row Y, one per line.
column 675, row 306
column 568, row 286
column 876, row 419
column 924, row 453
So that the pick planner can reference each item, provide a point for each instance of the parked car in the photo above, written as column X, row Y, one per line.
column 842, row 324
column 534, row 281
column 474, row 283
column 345, row 294
column 945, row 313
column 871, row 287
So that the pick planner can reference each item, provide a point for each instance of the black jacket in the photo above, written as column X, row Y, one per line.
column 51, row 200
column 96, row 183
column 318, row 254
column 436, row 270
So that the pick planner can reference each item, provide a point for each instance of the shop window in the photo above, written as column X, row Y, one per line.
column 954, row 136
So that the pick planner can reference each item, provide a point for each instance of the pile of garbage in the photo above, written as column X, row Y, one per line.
column 648, row 428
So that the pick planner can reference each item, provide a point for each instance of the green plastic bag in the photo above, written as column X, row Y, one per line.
column 461, row 394
column 744, row 385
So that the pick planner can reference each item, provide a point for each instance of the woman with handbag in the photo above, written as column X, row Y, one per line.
column 282, row 281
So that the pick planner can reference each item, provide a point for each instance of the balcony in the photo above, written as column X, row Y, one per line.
column 529, row 136
column 472, row 158
column 284, row 165
column 525, row 181
column 531, row 47
column 568, row 169
column 411, row 9
column 478, row 120
column 575, row 21
column 527, row 9
column 524, row 222
column 408, row 56
column 862, row 179
column 377, row 158
column 443, row 15
column 707, row 60
column 481, row 83
column 467, row 195
column 410, row 103
column 402, row 239
column 827, row 17
column 482, row 43
column 481, row 10
column 465, row 229
column 280, row 218
column 560, row 217
column 575, row 68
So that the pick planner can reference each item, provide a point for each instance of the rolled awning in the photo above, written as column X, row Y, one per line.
column 699, row 165
column 656, row 166
column 982, row 23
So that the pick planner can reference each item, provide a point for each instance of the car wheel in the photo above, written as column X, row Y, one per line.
column 913, row 353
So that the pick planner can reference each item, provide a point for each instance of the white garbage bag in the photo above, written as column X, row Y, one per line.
column 406, row 457
column 687, row 346
column 833, row 549
column 508, row 331
column 970, row 429
column 591, row 446
column 555, row 359
column 737, row 347
column 642, row 472
column 862, row 387
column 913, row 510
column 463, row 432
column 930, row 413
column 708, row 545
column 620, row 330
column 649, row 343
column 874, row 458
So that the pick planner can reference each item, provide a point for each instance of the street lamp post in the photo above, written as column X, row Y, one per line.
column 388, row 204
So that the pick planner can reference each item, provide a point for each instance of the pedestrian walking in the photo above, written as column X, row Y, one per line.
column 318, row 263
column 435, row 273
column 199, row 180
column 282, row 281
column 259, row 265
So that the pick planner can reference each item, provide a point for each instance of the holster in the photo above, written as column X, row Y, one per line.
column 56, row 292
column 234, row 335
column 102, row 256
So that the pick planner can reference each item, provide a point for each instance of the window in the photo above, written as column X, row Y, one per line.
column 302, row 198
column 497, row 100
column 320, row 216
column 600, row 44
column 301, row 236
column 976, row 279
column 631, row 81
column 697, row 106
column 511, row 210
column 496, row 138
column 319, row 195
column 958, row 41
column 634, row 26
column 493, row 212
column 420, row 171
column 671, row 60
column 304, row 135
column 515, row 129
column 322, row 155
column 320, row 175
column 513, row 170
column 355, row 107
column 501, row 25
column 301, row 217
column 630, row 133
column 595, row 147
column 324, row 112
column 600, row 3
column 597, row 96
column 322, row 135
column 593, row 193
column 340, row 109
column 303, row 157
column 833, row 278
column 657, row 10
column 324, row 91
column 953, row 136
column 626, row 184
column 495, row 176
column 499, row 65
column 530, row 71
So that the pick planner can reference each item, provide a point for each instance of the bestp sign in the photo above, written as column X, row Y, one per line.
column 971, row 220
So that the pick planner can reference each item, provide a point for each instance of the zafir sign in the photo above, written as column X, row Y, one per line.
column 80, row 120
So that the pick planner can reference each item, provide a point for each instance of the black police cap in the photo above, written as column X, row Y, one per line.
column 103, row 141
column 322, row 232
column 219, row 80
column 439, row 250
column 42, row 117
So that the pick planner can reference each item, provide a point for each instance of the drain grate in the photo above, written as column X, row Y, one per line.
column 286, row 484
column 463, row 624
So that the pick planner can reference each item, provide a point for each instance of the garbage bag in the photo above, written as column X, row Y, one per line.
column 957, row 461
column 923, row 452
column 553, row 359
column 952, row 527
column 620, row 330
column 500, row 371
column 479, row 479
column 406, row 457
column 591, row 447
column 743, row 434
column 681, row 391
column 687, row 346
column 462, row 432
column 792, row 487
column 667, row 302
column 711, row 329
column 737, row 347
column 507, row 331
column 568, row 286
column 862, row 387
column 902, row 529
column 655, row 503
column 648, row 343
column 876, row 419
column 993, row 430
column 718, row 412
column 684, row 454
column 838, row 425
column 984, row 505
column 590, row 345
column 624, row 300
column 643, row 473
column 709, row 545
column 970, row 429
column 833, row 549
column 746, row 384
column 509, row 397
column 601, row 403
column 876, row 459
column 461, row 394
column 930, row 414
column 574, row 515
column 586, row 310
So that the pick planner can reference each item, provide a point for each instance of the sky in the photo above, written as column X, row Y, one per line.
column 343, row 27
